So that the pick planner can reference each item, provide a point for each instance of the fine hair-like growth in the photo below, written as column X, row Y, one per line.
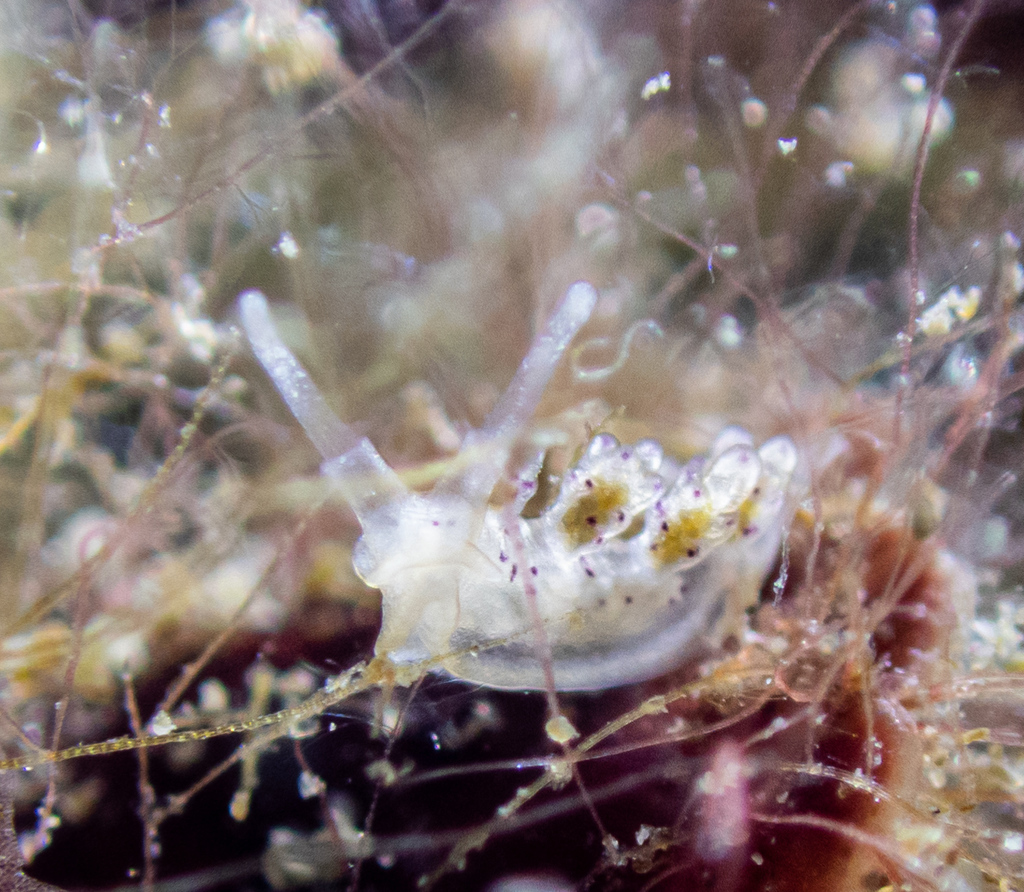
column 512, row 446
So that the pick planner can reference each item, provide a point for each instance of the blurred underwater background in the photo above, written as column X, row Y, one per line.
column 801, row 218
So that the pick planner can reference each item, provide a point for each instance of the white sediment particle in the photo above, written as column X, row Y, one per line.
column 311, row 785
column 287, row 246
column 914, row 83
column 754, row 112
column 161, row 724
column 93, row 166
column 728, row 332
column 837, row 172
column 660, row 83
column 560, row 729
column 213, row 696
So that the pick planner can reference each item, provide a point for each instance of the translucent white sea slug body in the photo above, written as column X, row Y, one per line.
column 636, row 558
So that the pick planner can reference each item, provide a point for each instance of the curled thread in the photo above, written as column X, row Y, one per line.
column 599, row 373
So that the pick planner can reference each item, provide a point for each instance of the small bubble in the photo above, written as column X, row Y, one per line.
column 311, row 785
column 287, row 246
column 837, row 172
column 728, row 332
column 161, row 724
column 754, row 113
column 560, row 729
column 787, row 146
column 660, row 83
column 239, row 807
column 967, row 181
column 72, row 110
column 914, row 83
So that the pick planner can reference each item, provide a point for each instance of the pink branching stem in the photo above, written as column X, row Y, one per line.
column 542, row 645
column 371, row 812
column 920, row 161
column 147, row 797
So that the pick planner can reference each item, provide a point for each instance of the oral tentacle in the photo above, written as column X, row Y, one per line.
column 517, row 404
column 366, row 480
